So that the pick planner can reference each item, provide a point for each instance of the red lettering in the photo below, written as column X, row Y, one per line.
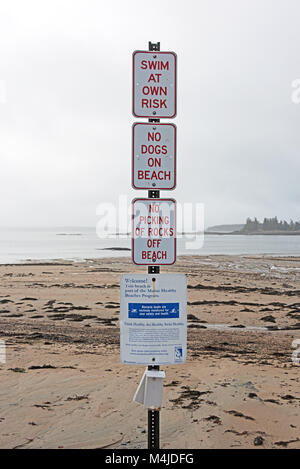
column 154, row 77
column 154, row 136
column 155, row 90
column 154, row 65
column 154, row 255
column 154, row 149
column 154, row 162
column 154, row 208
column 148, row 175
column 154, row 103
column 162, row 232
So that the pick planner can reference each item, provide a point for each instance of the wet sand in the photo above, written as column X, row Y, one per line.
column 63, row 385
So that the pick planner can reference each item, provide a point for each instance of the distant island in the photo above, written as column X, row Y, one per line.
column 225, row 228
column 269, row 226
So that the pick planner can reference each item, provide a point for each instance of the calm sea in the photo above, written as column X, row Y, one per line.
column 19, row 245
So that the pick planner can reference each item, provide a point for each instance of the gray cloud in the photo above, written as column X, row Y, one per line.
column 65, row 136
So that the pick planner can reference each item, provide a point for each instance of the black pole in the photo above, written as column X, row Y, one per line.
column 153, row 194
column 154, row 46
column 153, row 415
column 153, row 423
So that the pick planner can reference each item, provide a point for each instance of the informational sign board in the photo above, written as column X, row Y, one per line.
column 154, row 231
column 153, row 156
column 153, row 319
column 154, row 84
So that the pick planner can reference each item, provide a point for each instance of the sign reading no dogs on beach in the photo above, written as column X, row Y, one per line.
column 154, row 84
column 153, row 319
column 153, row 156
column 153, row 231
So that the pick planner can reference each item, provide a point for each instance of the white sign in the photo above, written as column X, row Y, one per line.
column 153, row 319
column 154, row 231
column 154, row 84
column 153, row 156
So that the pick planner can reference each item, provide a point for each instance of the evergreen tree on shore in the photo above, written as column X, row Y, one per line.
column 270, row 224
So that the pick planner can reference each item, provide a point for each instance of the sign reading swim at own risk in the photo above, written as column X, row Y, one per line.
column 153, row 231
column 154, row 84
column 153, row 319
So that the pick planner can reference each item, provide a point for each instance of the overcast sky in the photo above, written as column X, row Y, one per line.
column 65, row 106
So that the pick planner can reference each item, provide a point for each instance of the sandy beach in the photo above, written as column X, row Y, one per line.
column 63, row 385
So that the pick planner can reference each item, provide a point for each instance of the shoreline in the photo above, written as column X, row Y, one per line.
column 64, row 261
column 256, row 233
column 63, row 385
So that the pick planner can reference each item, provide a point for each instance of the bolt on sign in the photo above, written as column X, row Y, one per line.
column 154, row 84
column 154, row 232
column 153, row 156
column 153, row 319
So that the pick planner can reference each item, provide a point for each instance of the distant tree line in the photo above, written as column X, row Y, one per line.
column 270, row 224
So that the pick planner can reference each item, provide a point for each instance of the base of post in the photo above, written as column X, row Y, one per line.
column 153, row 420
column 153, row 429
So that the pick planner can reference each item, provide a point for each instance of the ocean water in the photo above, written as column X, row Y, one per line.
column 21, row 245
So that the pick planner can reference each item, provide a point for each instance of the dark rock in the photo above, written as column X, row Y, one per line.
column 258, row 441
column 17, row 370
column 214, row 419
column 269, row 318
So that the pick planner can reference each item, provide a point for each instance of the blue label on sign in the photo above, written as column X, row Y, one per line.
column 153, row 310
column 178, row 354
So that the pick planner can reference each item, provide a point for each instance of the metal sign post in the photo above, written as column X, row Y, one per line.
column 152, row 306
column 153, row 423
column 153, row 415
